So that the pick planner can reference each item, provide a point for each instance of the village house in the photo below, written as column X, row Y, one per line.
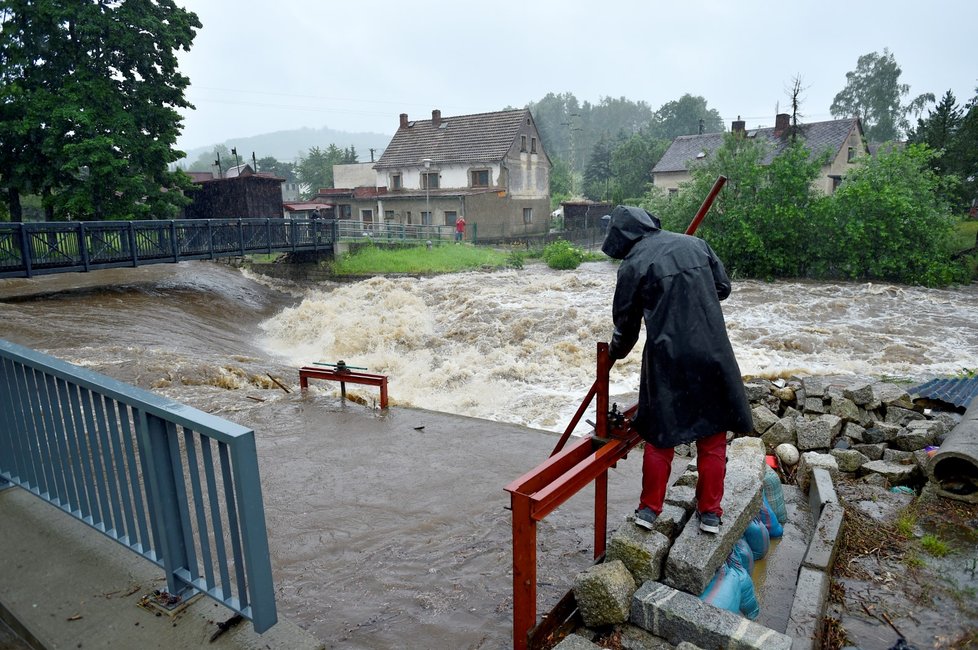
column 239, row 194
column 489, row 168
column 842, row 139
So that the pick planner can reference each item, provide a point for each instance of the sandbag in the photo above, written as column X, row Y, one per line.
column 769, row 519
column 724, row 589
column 775, row 494
column 742, row 564
column 757, row 538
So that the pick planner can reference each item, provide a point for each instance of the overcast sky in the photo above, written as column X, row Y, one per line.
column 259, row 66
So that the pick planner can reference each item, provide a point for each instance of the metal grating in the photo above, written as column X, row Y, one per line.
column 957, row 391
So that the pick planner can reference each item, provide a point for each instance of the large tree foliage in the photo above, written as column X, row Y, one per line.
column 891, row 214
column 952, row 132
column 315, row 169
column 89, row 91
column 766, row 222
column 887, row 221
column 874, row 93
column 687, row 115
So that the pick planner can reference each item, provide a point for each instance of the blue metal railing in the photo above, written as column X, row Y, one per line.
column 355, row 230
column 28, row 249
column 173, row 484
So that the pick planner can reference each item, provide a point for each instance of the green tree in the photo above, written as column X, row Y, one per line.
column 561, row 183
column 89, row 92
column 208, row 161
column 281, row 169
column 315, row 169
column 964, row 151
column 874, row 93
column 893, row 222
column 685, row 116
column 597, row 174
column 632, row 161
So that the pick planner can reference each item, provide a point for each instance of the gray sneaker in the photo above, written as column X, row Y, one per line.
column 645, row 517
column 710, row 522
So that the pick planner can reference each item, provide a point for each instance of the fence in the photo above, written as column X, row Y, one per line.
column 348, row 229
column 28, row 249
column 173, row 484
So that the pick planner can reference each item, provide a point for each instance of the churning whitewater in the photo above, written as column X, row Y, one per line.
column 519, row 346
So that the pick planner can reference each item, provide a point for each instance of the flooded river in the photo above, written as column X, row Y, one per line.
column 392, row 527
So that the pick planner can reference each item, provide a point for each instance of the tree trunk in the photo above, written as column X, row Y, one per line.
column 13, row 201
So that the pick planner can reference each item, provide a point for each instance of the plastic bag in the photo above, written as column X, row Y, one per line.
column 775, row 494
column 769, row 519
column 723, row 590
column 742, row 564
column 757, row 538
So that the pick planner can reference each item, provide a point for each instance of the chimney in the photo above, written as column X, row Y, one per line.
column 403, row 120
column 781, row 123
column 738, row 127
column 435, row 118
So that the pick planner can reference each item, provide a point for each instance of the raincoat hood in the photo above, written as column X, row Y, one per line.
column 628, row 225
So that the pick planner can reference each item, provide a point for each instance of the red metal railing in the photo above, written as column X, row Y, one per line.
column 343, row 374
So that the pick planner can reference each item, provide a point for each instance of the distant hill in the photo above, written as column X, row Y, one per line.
column 286, row 146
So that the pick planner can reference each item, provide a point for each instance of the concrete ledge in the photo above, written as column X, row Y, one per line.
column 85, row 592
column 825, row 537
column 677, row 616
column 811, row 593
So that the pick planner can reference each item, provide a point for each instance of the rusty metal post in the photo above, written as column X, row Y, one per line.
column 601, row 384
column 524, row 571
column 705, row 207
column 600, row 514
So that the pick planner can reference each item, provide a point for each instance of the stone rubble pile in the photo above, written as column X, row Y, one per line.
column 820, row 428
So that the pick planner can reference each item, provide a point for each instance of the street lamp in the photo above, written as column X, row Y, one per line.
column 427, row 186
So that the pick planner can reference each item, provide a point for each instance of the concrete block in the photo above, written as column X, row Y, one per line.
column 860, row 393
column 824, row 543
column 784, row 430
column 881, row 432
column 897, row 456
column 902, row 416
column 603, row 593
column 814, row 405
column 814, row 386
column 818, row 433
column 810, row 460
column 849, row 460
column 844, row 408
column 757, row 390
column 872, row 451
column 682, row 496
column 695, row 556
column 671, row 520
column 853, row 432
column 641, row 551
column 678, row 616
column 808, row 607
column 764, row 419
column 821, row 492
column 635, row 638
column 914, row 439
column 895, row 473
column 892, row 395
column 687, row 479
column 575, row 642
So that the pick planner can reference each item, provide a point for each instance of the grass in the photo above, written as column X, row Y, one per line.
column 964, row 238
column 419, row 259
column 935, row 546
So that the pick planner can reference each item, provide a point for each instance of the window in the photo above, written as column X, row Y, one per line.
column 480, row 178
column 836, row 182
column 429, row 180
column 346, row 211
column 523, row 143
column 527, row 215
column 852, row 154
column 366, row 215
column 673, row 191
column 396, row 182
column 450, row 217
column 407, row 216
column 425, row 218
column 388, row 215
column 533, row 145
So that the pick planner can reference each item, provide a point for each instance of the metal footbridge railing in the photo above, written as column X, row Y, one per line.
column 173, row 484
column 28, row 249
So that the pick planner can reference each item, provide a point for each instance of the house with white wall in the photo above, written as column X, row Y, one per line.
column 490, row 168
column 844, row 141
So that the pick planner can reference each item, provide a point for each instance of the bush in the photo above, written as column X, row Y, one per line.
column 562, row 255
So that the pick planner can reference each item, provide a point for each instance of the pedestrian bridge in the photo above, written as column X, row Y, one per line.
column 29, row 249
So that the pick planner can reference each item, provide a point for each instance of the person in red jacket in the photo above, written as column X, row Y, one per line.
column 691, row 386
column 459, row 228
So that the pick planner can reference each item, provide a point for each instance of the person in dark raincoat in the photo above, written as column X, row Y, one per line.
column 691, row 386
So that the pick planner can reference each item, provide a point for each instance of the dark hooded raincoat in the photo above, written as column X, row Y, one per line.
column 691, row 384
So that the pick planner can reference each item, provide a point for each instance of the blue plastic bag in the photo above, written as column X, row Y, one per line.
column 724, row 589
column 748, row 598
column 769, row 519
column 775, row 494
column 757, row 538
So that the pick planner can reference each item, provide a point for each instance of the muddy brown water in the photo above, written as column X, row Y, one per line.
column 391, row 529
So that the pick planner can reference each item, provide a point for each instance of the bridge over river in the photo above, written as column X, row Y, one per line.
column 28, row 249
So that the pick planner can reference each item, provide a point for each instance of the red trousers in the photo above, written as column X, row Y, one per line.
column 711, row 463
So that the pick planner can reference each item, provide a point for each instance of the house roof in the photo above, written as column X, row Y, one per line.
column 302, row 206
column 483, row 137
column 818, row 137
